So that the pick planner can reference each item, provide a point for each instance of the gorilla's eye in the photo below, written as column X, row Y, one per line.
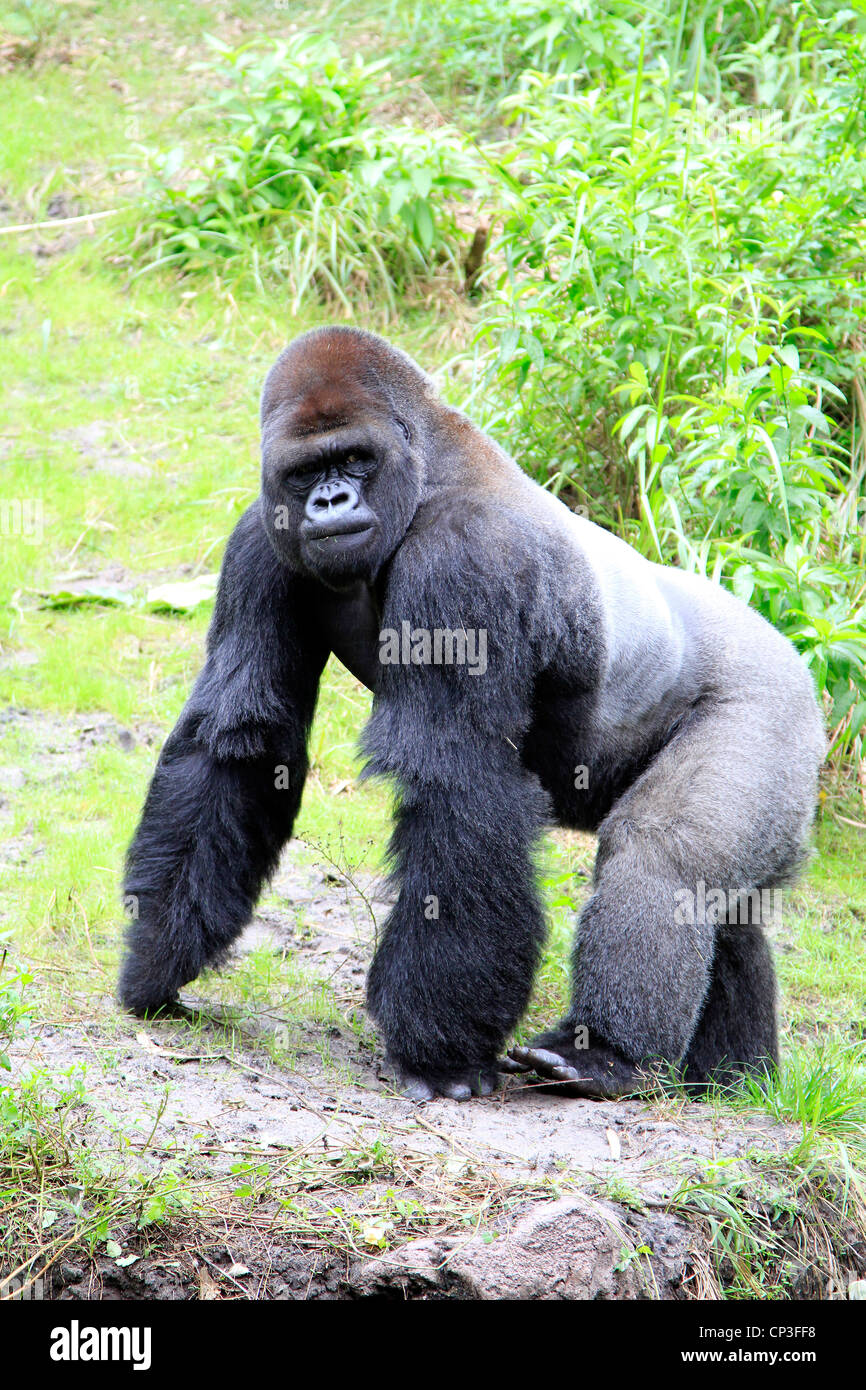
column 401, row 425
column 302, row 479
column 357, row 464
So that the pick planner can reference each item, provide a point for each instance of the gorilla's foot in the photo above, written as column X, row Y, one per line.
column 454, row 1085
column 597, row 1072
column 146, row 987
column 147, row 1003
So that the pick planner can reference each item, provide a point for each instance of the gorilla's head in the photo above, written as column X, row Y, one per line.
column 343, row 418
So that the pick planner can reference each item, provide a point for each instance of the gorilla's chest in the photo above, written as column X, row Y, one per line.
column 350, row 623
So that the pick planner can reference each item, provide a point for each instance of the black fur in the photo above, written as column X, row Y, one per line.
column 692, row 723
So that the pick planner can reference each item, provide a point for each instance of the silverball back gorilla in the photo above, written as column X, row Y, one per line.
column 695, row 722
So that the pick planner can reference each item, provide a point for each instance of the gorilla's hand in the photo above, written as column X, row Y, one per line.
column 454, row 1085
column 597, row 1072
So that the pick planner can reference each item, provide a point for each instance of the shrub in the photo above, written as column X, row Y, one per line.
column 482, row 49
column 300, row 182
column 701, row 263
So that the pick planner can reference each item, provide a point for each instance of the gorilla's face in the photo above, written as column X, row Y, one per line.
column 340, row 481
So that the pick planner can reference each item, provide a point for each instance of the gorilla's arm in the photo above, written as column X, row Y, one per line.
column 454, row 968
column 229, row 780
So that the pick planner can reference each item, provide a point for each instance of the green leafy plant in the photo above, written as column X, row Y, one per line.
column 15, row 1009
column 300, row 182
column 694, row 264
column 483, row 48
column 744, row 483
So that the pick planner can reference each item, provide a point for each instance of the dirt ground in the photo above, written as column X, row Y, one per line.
column 288, row 1166
column 528, row 1194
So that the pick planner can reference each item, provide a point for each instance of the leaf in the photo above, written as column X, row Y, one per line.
column 376, row 1233
column 743, row 582
column 113, row 1250
column 400, row 192
column 208, row 1288
column 148, row 1045
column 858, row 720
column 790, row 356
column 628, row 423
column 370, row 171
column 424, row 229
column 422, row 179
column 814, row 417
column 534, row 350
column 844, row 697
column 637, row 370
column 171, row 162
column 108, row 594
column 183, row 597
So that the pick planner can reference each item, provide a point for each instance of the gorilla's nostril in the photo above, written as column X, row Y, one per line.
column 338, row 499
column 331, row 502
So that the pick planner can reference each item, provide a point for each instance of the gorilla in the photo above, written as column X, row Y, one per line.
column 526, row 667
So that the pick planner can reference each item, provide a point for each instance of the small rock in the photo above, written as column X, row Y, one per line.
column 566, row 1249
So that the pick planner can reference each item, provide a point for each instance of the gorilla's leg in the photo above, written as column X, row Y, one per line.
column 659, row 974
column 454, row 969
column 229, row 780
column 639, row 977
column 736, row 1031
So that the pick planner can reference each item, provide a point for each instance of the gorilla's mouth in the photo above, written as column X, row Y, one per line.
column 337, row 537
